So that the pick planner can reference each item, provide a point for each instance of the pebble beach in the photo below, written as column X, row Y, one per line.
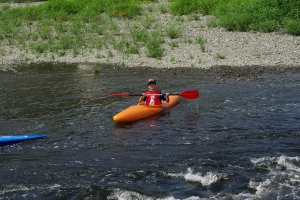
column 222, row 48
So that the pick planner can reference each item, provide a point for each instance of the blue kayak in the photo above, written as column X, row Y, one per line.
column 13, row 139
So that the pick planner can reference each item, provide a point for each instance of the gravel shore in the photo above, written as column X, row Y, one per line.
column 223, row 48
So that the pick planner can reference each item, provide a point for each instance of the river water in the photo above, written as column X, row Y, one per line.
column 239, row 140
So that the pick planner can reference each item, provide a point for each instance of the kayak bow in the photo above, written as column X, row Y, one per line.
column 13, row 139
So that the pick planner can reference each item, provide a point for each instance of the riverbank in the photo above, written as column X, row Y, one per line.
column 222, row 48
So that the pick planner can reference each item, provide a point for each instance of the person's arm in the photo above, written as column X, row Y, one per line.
column 167, row 98
column 141, row 99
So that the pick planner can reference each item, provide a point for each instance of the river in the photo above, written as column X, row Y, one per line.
column 239, row 140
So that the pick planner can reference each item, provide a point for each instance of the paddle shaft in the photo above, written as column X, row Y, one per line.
column 188, row 94
column 151, row 94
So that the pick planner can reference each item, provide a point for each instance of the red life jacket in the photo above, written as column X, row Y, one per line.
column 154, row 99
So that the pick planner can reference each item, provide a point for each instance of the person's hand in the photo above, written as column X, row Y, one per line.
column 167, row 95
column 143, row 94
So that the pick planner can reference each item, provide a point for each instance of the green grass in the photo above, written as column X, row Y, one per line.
column 202, row 42
column 173, row 31
column 250, row 15
column 96, row 70
column 293, row 27
column 65, row 25
column 163, row 9
column 220, row 57
column 71, row 11
column 174, row 44
column 153, row 43
column 183, row 7
column 20, row 1
column 148, row 21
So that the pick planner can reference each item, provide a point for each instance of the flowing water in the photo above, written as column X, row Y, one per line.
column 239, row 140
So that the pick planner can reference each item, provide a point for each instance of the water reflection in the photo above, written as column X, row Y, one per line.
column 143, row 127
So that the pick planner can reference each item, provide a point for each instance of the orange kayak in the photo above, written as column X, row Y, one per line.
column 141, row 111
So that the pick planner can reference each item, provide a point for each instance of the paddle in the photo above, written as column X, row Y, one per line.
column 187, row 94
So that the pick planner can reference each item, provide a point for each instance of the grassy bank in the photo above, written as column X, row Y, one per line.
column 242, row 15
column 20, row 1
column 58, row 27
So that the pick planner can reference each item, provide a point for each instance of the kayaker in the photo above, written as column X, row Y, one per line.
column 153, row 96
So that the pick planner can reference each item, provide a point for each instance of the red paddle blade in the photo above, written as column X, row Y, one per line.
column 119, row 95
column 190, row 94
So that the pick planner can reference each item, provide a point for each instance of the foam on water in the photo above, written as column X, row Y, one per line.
column 282, row 180
column 130, row 195
column 205, row 179
column 25, row 189
column 126, row 195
